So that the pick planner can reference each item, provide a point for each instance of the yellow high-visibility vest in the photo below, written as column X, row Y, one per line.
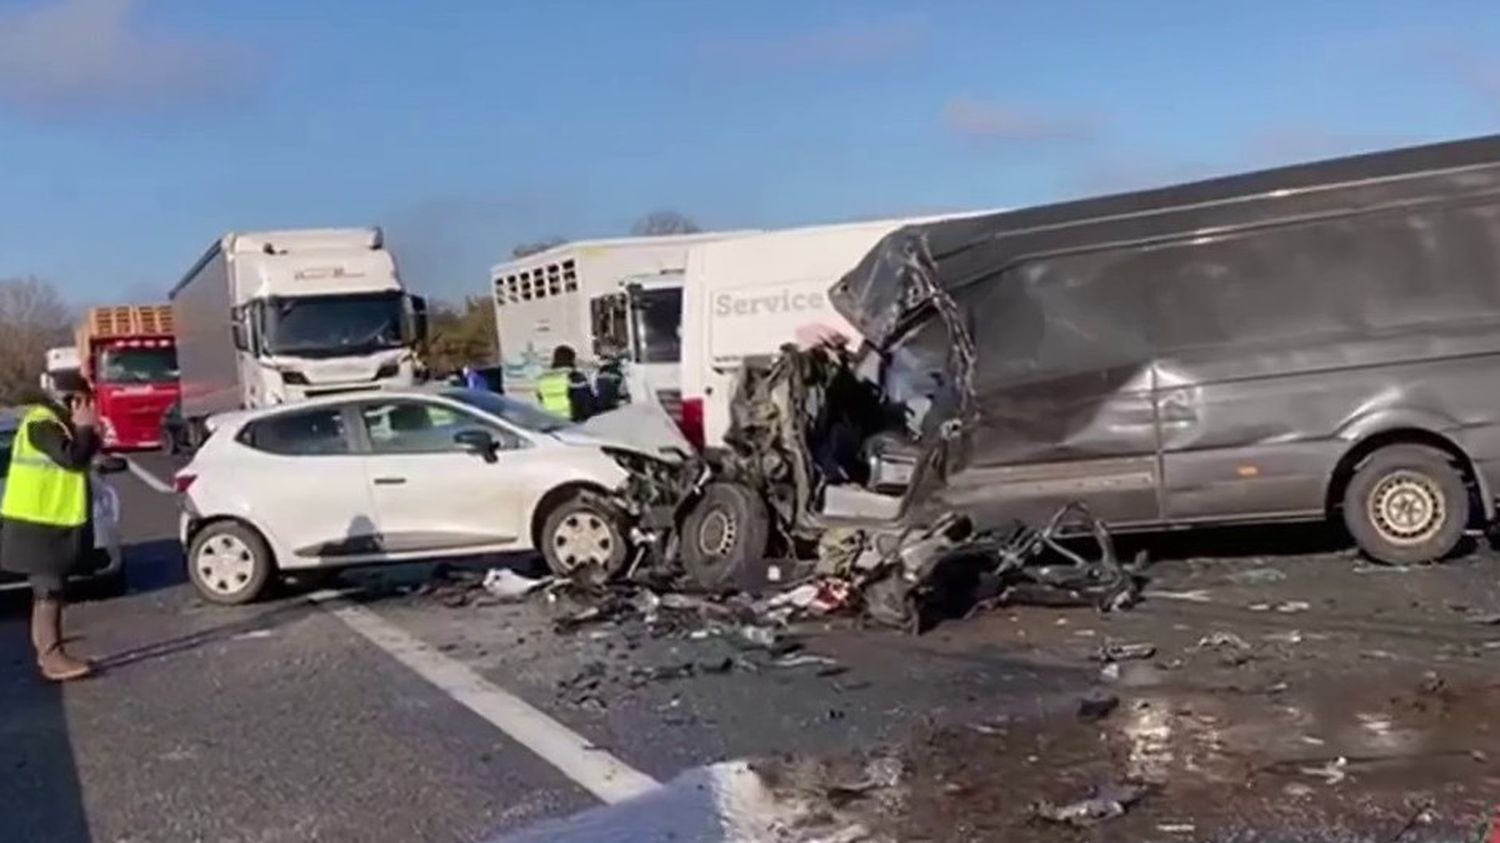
column 552, row 391
column 39, row 490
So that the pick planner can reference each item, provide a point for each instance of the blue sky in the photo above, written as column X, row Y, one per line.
column 133, row 132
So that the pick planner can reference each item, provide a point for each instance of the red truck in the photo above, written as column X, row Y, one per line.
column 129, row 354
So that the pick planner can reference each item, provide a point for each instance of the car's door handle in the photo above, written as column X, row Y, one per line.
column 389, row 481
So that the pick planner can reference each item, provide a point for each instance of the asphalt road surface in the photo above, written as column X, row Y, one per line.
column 392, row 710
column 399, row 718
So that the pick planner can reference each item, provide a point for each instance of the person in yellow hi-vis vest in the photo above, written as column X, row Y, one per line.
column 563, row 390
column 45, row 523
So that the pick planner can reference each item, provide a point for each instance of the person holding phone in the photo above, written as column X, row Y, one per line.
column 46, row 526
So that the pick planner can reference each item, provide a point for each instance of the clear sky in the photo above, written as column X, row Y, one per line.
column 134, row 132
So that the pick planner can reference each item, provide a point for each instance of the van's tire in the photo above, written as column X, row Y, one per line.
column 1407, row 504
column 581, row 538
column 229, row 563
column 726, row 530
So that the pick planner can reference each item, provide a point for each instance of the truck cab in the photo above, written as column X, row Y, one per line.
column 129, row 355
column 640, row 326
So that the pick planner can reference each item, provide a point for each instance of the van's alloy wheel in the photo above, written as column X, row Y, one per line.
column 1407, row 504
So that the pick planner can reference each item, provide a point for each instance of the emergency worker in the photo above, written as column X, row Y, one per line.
column 564, row 390
column 46, row 525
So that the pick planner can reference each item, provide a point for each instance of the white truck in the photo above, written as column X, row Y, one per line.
column 277, row 316
column 748, row 296
column 60, row 360
column 622, row 294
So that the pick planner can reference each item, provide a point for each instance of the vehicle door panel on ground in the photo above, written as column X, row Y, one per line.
column 432, row 491
column 321, row 507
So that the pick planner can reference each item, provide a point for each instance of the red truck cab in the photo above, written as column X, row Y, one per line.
column 129, row 355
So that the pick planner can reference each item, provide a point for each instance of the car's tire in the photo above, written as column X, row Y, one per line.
column 229, row 563
column 1407, row 504
column 727, row 529
column 582, row 538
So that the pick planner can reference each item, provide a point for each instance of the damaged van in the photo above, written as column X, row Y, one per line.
column 1309, row 342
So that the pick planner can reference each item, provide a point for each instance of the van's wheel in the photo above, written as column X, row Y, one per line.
column 726, row 530
column 1407, row 504
column 582, row 539
column 229, row 563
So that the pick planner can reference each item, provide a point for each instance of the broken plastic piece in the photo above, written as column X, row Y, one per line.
column 509, row 585
column 1109, row 802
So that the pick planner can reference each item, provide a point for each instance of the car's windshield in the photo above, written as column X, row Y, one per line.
column 524, row 416
column 138, row 365
column 658, row 324
column 332, row 325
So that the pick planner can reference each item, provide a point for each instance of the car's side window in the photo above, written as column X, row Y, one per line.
column 317, row 432
column 416, row 427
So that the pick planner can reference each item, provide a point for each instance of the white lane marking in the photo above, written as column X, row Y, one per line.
column 594, row 769
column 156, row 483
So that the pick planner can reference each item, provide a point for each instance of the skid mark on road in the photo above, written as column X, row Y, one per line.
column 156, row 483
column 594, row 769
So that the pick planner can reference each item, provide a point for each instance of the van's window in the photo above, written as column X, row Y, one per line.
column 658, row 325
column 317, row 432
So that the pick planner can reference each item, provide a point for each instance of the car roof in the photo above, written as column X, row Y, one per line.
column 237, row 418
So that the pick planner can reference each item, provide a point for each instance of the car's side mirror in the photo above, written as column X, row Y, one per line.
column 478, row 442
column 111, row 465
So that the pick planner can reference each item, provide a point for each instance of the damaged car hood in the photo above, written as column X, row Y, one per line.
column 645, row 429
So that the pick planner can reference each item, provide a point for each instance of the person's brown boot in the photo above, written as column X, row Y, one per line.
column 46, row 635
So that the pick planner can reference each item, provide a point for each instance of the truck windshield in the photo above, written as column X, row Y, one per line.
column 138, row 365
column 328, row 326
column 657, row 324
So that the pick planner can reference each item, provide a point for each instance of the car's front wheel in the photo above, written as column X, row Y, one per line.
column 229, row 563
column 581, row 538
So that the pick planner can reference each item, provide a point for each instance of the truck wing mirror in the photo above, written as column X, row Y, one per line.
column 419, row 319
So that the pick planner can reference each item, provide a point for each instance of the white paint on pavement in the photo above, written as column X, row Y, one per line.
column 594, row 769
column 156, row 483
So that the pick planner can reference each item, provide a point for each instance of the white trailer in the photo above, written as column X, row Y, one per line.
column 624, row 293
column 273, row 317
column 748, row 296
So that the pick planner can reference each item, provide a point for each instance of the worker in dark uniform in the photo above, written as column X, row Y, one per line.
column 563, row 390
column 46, row 528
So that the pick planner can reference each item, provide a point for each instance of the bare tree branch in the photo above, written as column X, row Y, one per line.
column 33, row 319
column 664, row 222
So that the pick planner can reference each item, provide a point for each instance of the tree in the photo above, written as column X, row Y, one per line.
column 659, row 223
column 461, row 335
column 33, row 319
column 523, row 249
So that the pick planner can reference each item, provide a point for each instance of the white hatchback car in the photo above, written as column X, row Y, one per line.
column 395, row 476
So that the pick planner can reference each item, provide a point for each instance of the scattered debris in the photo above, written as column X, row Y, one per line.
column 1222, row 640
column 1257, row 576
column 509, row 585
column 1108, row 802
column 1176, row 828
column 1097, row 707
column 1285, row 607
column 1483, row 618
column 1198, row 595
column 1114, row 652
column 1331, row 773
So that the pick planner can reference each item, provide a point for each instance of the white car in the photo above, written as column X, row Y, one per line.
column 104, row 573
column 396, row 476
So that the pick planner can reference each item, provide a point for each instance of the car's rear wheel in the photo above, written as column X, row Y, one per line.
column 1407, row 504
column 229, row 563
column 727, row 530
column 581, row 538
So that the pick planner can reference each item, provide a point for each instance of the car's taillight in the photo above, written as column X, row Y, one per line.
column 692, row 421
column 182, row 481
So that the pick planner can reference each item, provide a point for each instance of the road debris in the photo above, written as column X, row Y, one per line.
column 1117, row 652
column 1097, row 707
column 509, row 585
column 1109, row 801
column 1331, row 773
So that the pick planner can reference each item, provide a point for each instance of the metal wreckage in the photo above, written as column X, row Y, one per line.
column 832, row 476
